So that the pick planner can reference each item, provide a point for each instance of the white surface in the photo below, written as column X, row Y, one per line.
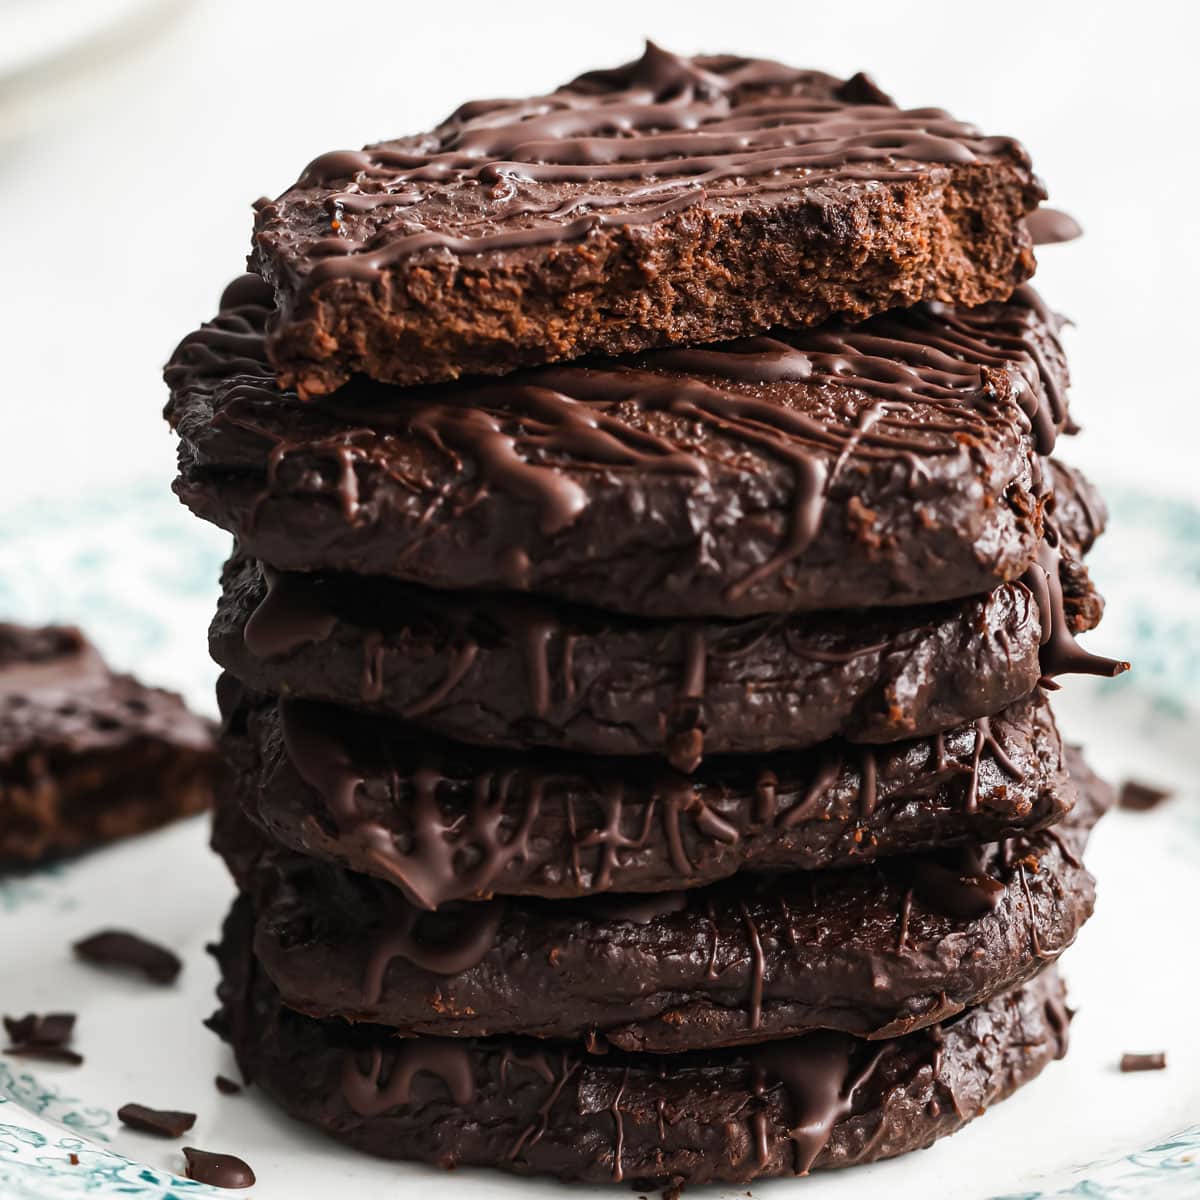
column 38, row 34
column 1133, row 977
column 123, row 218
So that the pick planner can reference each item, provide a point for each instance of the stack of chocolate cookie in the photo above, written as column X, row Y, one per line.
column 649, row 569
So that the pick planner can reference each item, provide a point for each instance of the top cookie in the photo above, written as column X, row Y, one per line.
column 670, row 200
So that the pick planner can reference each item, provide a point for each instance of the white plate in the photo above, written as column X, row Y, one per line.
column 1083, row 1129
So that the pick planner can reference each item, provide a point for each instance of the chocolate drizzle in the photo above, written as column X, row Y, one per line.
column 291, row 615
column 629, row 146
column 960, row 889
column 430, row 871
column 472, row 931
column 370, row 1093
column 815, row 1073
column 1061, row 654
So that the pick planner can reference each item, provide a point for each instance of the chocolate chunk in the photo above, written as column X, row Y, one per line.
column 1140, row 797
column 669, row 200
column 217, row 1170
column 534, row 1107
column 163, row 1122
column 53, row 1029
column 727, row 481
column 43, row 1037
column 745, row 961
column 227, row 1086
column 117, row 948
column 1143, row 1062
column 87, row 756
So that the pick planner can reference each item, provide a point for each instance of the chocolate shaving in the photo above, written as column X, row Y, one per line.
column 163, row 1122
column 44, row 1037
column 116, row 948
column 219, row 1170
column 1140, row 797
column 54, row 1029
column 1144, row 1062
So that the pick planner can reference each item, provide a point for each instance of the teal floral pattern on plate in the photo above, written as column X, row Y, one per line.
column 1167, row 1171
column 46, row 1100
column 42, row 886
column 132, row 565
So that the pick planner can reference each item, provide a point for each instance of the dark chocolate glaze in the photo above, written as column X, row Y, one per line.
column 514, row 671
column 616, row 156
column 725, row 480
column 444, row 822
column 780, row 1109
column 876, row 951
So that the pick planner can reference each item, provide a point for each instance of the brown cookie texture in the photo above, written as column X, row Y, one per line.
column 87, row 755
column 877, row 951
column 544, row 1108
column 891, row 463
column 442, row 821
column 667, row 201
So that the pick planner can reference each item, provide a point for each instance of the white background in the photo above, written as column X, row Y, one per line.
column 126, row 177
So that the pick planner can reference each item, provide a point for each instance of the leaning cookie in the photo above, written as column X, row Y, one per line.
column 88, row 755
column 877, row 951
column 783, row 1108
column 890, row 463
column 444, row 822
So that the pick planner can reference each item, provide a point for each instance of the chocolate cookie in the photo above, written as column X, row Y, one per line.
column 670, row 200
column 890, row 463
column 87, row 756
column 877, row 951
column 510, row 670
column 444, row 822
column 783, row 1108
